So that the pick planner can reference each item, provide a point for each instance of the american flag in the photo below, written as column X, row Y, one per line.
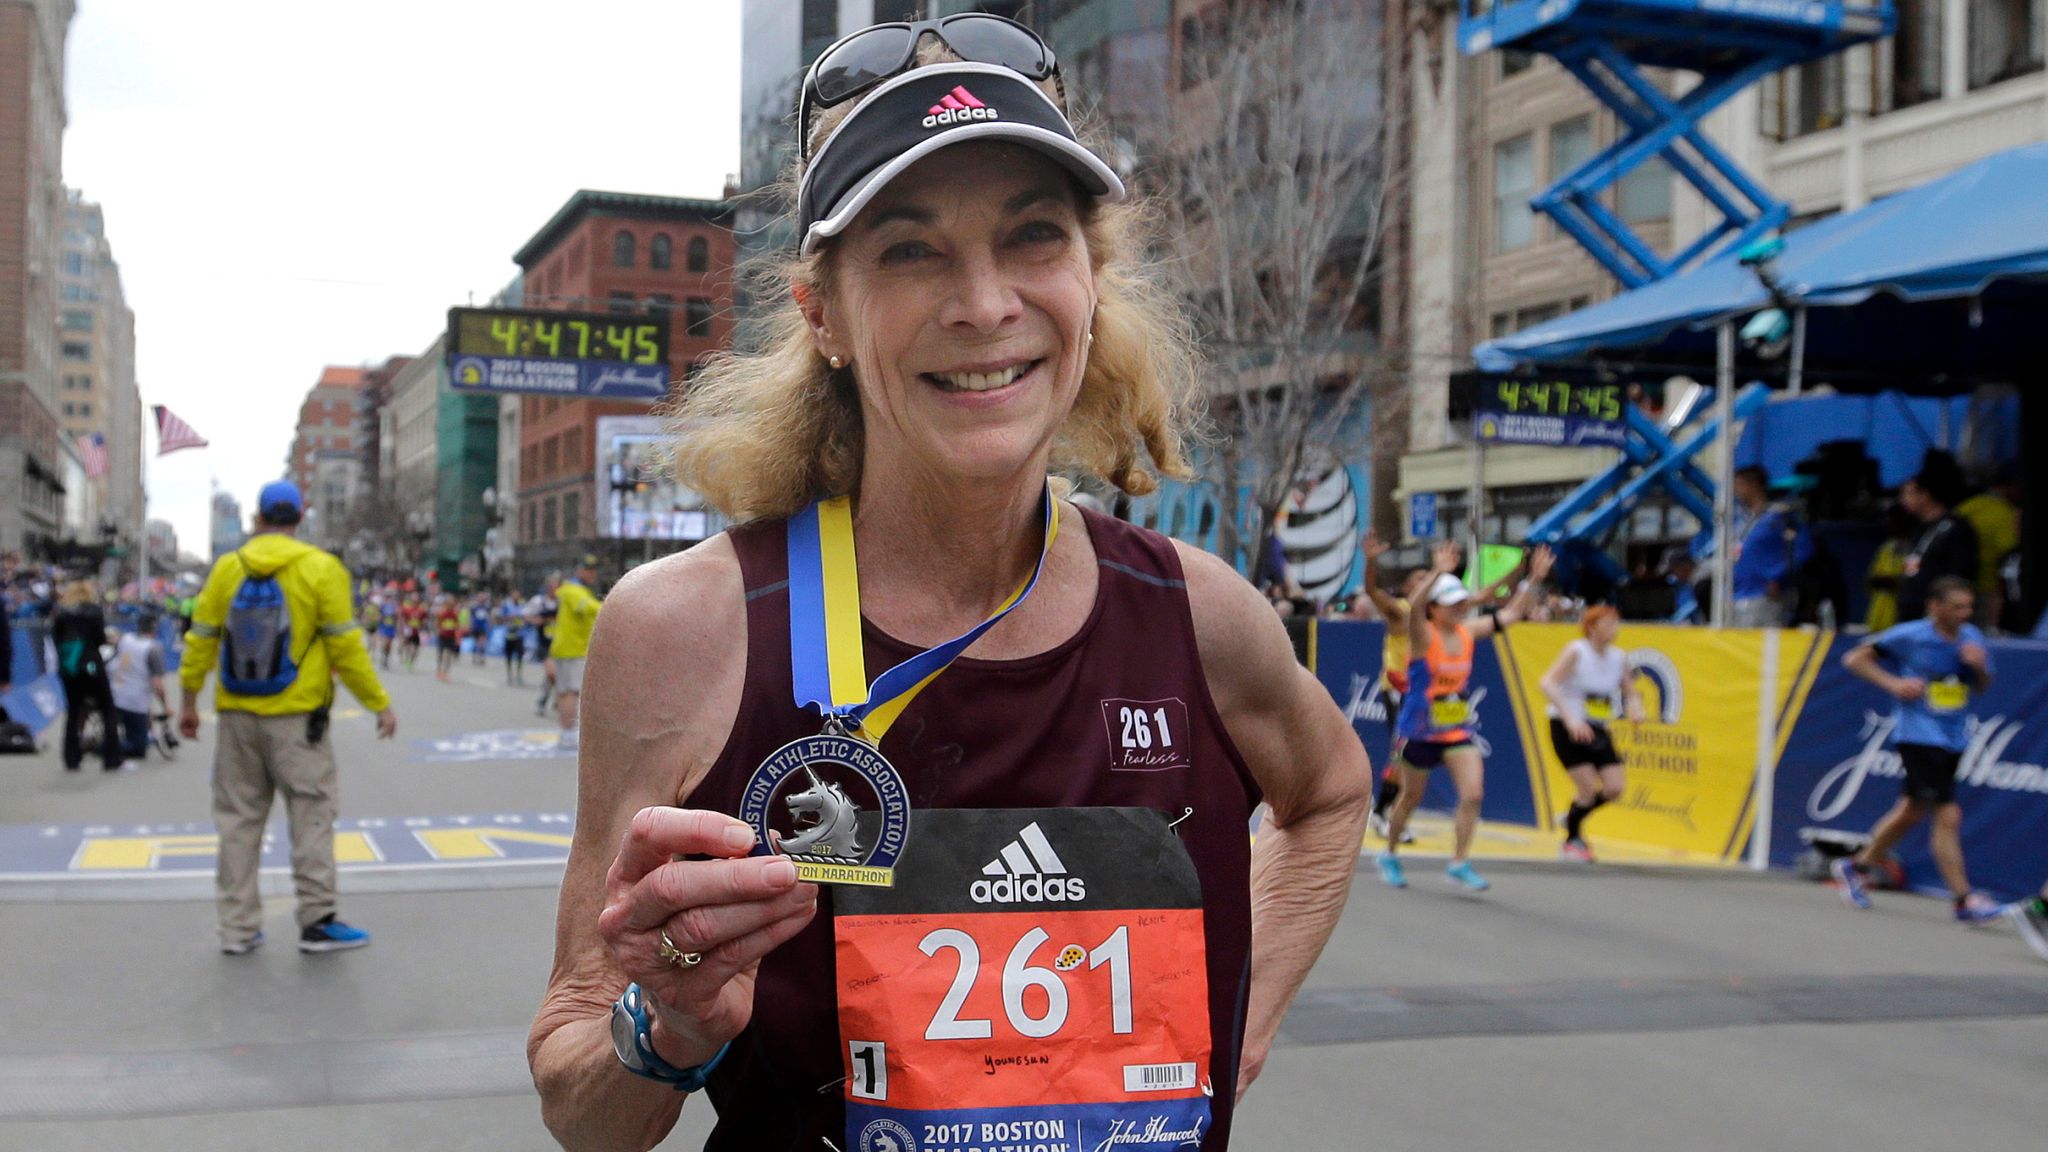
column 173, row 433
column 92, row 448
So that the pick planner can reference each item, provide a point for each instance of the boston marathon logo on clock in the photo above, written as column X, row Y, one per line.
column 833, row 805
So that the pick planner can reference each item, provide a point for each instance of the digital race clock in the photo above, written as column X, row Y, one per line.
column 558, row 353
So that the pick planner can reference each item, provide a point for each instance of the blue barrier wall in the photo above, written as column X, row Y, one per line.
column 1835, row 772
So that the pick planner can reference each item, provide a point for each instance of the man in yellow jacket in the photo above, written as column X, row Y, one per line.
column 276, row 619
column 575, row 615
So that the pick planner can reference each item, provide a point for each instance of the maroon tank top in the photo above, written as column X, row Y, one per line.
column 1051, row 730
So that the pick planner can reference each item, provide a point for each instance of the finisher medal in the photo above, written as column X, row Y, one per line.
column 833, row 837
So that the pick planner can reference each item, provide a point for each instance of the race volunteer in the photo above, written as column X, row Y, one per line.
column 1930, row 668
column 1589, row 687
column 1435, row 724
column 967, row 313
column 272, row 703
column 575, row 616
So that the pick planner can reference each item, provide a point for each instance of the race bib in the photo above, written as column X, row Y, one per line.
column 1449, row 712
column 1036, row 978
column 1600, row 708
column 1948, row 696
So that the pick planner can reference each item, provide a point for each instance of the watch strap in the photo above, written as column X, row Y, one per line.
column 633, row 1002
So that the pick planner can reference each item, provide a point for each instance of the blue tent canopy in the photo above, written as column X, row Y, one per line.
column 1938, row 286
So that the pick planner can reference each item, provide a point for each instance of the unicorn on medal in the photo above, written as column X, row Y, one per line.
column 827, row 823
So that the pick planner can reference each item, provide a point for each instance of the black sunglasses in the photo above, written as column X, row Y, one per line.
column 864, row 59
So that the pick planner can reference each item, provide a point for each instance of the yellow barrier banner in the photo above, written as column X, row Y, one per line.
column 1691, row 763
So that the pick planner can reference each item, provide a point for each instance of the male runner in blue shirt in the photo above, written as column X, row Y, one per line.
column 1929, row 667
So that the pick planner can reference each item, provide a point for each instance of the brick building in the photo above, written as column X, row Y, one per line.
column 323, row 459
column 610, row 252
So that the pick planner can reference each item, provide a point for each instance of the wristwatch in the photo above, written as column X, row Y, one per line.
column 630, row 1023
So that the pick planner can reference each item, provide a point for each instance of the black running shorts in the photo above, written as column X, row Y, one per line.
column 1424, row 755
column 1598, row 752
column 1930, row 773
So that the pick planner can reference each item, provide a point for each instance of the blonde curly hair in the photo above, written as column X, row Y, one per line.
column 767, row 429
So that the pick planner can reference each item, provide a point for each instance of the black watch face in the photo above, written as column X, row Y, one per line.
column 623, row 1038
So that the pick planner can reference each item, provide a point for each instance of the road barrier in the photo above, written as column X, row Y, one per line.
column 1753, row 740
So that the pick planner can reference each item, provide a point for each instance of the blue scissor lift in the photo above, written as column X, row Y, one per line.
column 1607, row 45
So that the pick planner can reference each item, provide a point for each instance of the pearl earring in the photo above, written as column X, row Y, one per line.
column 836, row 362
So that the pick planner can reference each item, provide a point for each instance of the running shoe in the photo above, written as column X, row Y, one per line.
column 1576, row 852
column 331, row 935
column 1461, row 873
column 243, row 947
column 1977, row 908
column 2030, row 919
column 1849, row 881
column 1377, row 825
column 1390, row 871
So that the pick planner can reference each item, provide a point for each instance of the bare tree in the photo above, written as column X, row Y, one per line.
column 377, row 522
column 1279, row 177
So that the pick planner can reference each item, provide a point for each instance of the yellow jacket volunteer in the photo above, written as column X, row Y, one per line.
column 317, row 588
column 574, row 619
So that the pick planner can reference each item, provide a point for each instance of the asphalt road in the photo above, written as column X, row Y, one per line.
column 1574, row 1010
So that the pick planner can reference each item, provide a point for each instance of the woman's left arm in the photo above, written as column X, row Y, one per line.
column 1315, row 776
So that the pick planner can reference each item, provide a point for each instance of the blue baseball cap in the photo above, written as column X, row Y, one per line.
column 280, row 495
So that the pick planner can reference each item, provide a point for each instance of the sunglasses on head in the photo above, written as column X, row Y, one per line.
column 864, row 59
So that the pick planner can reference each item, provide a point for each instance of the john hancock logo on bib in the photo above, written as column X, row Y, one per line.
column 1146, row 735
column 833, row 805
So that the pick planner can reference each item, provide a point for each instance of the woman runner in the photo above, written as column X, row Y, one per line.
column 1589, row 686
column 966, row 313
column 1435, row 723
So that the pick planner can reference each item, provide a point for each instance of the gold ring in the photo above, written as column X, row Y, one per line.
column 677, row 956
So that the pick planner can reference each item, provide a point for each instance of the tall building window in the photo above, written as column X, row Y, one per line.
column 661, row 253
column 77, row 351
column 85, row 408
column 547, row 518
column 1645, row 193
column 2005, row 39
column 550, row 456
column 572, row 514
column 697, row 316
column 74, row 263
column 622, row 250
column 697, row 257
column 532, row 522
column 1571, row 144
column 1514, row 181
column 619, row 302
column 78, row 320
column 663, row 302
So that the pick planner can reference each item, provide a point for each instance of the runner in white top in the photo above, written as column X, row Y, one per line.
column 1589, row 687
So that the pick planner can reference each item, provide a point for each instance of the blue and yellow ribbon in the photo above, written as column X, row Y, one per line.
column 826, row 660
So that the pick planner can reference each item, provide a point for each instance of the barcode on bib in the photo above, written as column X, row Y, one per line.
column 1158, row 1077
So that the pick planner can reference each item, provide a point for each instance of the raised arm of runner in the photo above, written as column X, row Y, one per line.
column 1316, row 779
column 1540, row 562
column 1391, row 609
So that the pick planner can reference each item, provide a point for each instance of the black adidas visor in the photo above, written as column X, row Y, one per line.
column 922, row 111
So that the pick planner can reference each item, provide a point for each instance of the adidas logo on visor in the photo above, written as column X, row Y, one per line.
column 956, row 107
column 1027, row 870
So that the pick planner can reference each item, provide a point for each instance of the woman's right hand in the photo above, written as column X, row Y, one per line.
column 1580, row 731
column 732, row 910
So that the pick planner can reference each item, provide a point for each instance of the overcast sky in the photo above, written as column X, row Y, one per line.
column 288, row 186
